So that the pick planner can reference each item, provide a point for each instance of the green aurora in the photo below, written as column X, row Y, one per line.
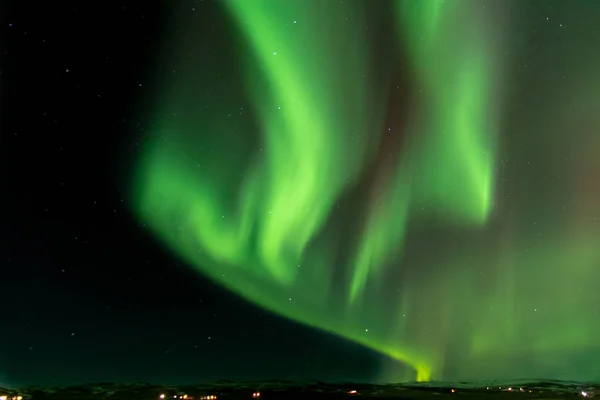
column 453, row 230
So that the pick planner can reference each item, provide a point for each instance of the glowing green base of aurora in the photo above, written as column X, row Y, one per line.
column 413, row 247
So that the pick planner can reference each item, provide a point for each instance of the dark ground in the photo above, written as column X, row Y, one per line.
column 314, row 390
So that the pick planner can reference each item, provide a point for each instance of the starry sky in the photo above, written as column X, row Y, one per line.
column 333, row 190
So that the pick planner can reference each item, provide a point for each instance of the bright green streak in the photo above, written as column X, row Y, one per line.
column 263, row 222
column 317, row 126
column 453, row 163
column 306, row 141
column 454, row 59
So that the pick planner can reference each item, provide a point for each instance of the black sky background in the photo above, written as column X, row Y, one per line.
column 88, row 294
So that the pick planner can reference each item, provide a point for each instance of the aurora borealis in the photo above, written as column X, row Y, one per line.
column 408, row 175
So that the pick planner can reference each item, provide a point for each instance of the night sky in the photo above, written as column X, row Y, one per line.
column 302, row 189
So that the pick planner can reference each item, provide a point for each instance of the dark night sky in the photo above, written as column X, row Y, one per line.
column 436, row 180
column 89, row 294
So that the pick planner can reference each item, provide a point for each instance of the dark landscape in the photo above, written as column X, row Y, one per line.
column 311, row 390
